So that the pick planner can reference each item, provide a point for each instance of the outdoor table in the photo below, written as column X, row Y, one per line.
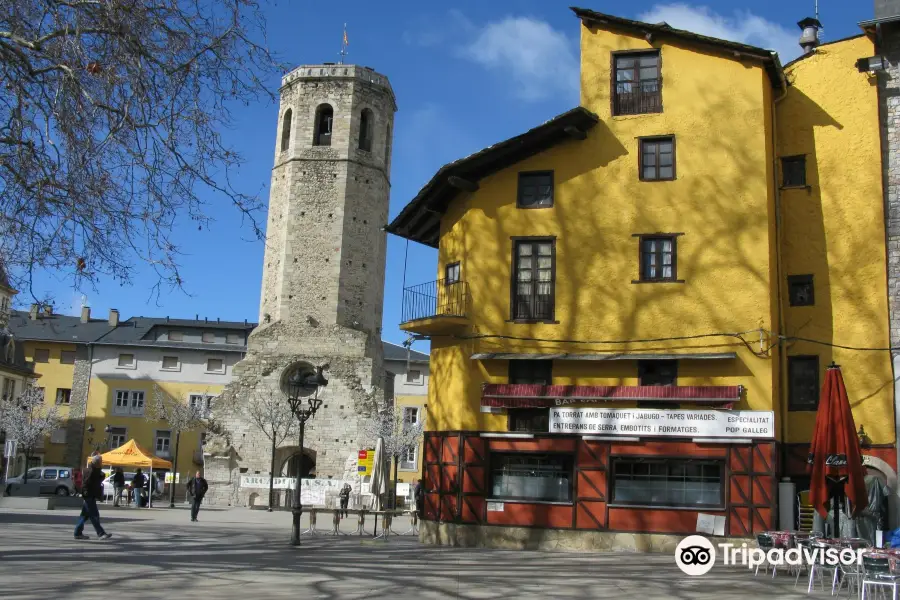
column 782, row 539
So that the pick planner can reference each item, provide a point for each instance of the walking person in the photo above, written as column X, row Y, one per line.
column 118, row 481
column 197, row 488
column 419, row 496
column 93, row 490
column 137, row 486
column 345, row 498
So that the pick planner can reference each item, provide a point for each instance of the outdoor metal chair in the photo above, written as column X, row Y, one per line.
column 818, row 570
column 765, row 543
column 877, row 573
column 852, row 575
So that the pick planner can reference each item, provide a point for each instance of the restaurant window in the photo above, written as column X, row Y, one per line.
column 638, row 86
column 658, row 258
column 529, row 420
column 533, row 280
column 657, row 159
column 657, row 372
column 537, row 477
column 681, row 483
column 793, row 171
column 803, row 382
column 535, row 190
column 531, row 371
column 801, row 291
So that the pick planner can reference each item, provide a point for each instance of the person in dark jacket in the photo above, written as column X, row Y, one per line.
column 118, row 481
column 137, row 487
column 197, row 488
column 93, row 491
column 419, row 497
column 345, row 498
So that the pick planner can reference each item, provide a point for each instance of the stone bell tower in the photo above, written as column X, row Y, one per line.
column 323, row 277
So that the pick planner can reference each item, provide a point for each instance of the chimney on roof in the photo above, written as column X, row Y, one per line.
column 885, row 9
column 809, row 39
column 113, row 317
column 48, row 310
column 33, row 312
column 85, row 314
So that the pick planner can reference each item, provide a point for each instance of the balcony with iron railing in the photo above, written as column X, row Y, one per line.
column 436, row 307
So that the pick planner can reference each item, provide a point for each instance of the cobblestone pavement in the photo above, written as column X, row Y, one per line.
column 240, row 553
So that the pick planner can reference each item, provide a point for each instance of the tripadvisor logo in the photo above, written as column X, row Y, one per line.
column 696, row 555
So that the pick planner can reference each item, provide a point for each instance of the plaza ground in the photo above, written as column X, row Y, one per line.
column 239, row 553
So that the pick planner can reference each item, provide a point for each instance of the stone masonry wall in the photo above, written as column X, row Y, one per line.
column 889, row 97
column 81, row 380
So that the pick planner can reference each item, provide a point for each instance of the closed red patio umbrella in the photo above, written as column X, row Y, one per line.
column 834, row 458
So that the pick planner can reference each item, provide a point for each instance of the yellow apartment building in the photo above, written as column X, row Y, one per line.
column 637, row 300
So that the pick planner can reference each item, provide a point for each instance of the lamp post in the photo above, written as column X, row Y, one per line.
column 302, row 383
column 91, row 430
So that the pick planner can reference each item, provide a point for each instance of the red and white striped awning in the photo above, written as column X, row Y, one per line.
column 520, row 395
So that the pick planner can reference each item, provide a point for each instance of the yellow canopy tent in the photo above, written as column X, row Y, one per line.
column 131, row 454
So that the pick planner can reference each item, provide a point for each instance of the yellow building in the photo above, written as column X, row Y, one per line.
column 409, row 370
column 609, row 277
column 103, row 375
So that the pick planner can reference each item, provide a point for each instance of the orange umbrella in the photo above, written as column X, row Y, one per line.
column 834, row 456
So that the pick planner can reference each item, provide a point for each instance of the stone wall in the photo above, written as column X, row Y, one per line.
column 575, row 540
column 889, row 98
column 81, row 380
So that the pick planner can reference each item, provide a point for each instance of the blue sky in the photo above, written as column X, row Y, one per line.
column 465, row 75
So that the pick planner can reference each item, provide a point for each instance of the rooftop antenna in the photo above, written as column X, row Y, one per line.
column 821, row 29
column 345, row 43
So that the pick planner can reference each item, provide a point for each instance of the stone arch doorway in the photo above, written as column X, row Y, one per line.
column 882, row 470
column 291, row 459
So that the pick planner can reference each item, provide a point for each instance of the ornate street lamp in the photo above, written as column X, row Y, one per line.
column 91, row 430
column 301, row 383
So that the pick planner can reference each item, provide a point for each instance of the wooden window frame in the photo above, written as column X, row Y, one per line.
column 643, row 366
column 525, row 174
column 642, row 237
column 62, row 398
column 792, row 402
column 613, row 109
column 447, row 268
column 518, row 363
column 793, row 158
column 44, row 354
column 656, row 138
column 516, row 240
column 531, row 414
column 801, row 280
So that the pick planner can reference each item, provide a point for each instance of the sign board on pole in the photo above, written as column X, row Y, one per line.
column 9, row 448
column 365, row 461
column 177, row 478
column 649, row 422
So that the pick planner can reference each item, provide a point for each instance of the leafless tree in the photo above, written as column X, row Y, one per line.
column 28, row 420
column 180, row 417
column 269, row 411
column 111, row 113
column 398, row 436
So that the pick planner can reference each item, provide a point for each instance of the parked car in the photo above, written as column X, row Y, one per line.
column 53, row 480
column 109, row 489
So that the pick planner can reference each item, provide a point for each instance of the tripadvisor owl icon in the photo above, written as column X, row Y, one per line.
column 695, row 555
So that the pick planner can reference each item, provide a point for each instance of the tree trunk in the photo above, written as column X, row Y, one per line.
column 394, row 491
column 272, row 475
column 174, row 474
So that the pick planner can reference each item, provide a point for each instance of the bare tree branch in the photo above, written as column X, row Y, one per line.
column 111, row 120
column 28, row 419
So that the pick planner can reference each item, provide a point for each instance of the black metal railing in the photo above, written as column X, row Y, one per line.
column 638, row 99
column 441, row 298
